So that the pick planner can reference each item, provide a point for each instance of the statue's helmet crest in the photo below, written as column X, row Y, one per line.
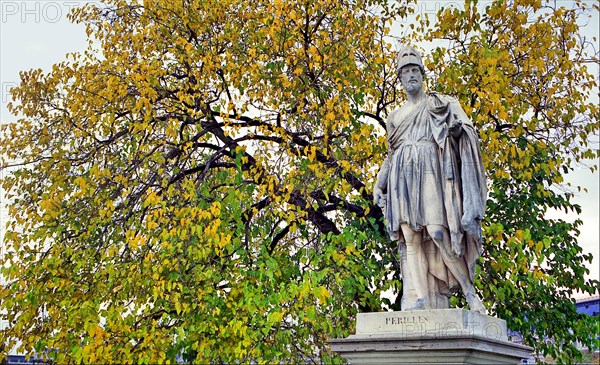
column 410, row 56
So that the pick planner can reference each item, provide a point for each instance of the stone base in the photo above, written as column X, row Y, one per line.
column 437, row 336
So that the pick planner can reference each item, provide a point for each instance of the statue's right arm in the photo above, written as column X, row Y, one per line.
column 382, row 176
column 380, row 189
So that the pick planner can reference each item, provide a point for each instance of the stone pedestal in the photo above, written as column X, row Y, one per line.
column 437, row 336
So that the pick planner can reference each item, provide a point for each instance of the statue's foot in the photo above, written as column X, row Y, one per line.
column 420, row 304
column 474, row 303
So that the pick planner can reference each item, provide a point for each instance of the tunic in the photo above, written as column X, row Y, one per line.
column 415, row 179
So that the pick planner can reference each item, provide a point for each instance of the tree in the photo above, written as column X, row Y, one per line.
column 201, row 185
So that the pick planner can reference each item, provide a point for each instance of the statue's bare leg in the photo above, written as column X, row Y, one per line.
column 456, row 265
column 416, row 262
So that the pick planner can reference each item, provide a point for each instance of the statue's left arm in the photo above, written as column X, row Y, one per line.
column 473, row 183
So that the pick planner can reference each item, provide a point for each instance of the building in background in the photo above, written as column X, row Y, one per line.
column 589, row 305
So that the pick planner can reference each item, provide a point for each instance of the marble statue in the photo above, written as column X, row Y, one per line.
column 433, row 192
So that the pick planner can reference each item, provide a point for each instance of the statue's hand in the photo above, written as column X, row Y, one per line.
column 379, row 197
column 455, row 126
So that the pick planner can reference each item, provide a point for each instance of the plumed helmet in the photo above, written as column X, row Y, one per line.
column 409, row 56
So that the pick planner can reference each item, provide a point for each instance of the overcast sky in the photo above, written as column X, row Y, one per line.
column 37, row 34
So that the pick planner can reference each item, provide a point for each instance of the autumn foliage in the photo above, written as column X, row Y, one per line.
column 197, row 185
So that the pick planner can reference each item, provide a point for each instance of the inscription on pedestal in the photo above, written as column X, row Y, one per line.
column 405, row 319
column 436, row 323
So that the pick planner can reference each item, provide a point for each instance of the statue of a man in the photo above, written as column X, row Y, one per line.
column 432, row 188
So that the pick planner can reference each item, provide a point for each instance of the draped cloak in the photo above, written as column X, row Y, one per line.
column 432, row 177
